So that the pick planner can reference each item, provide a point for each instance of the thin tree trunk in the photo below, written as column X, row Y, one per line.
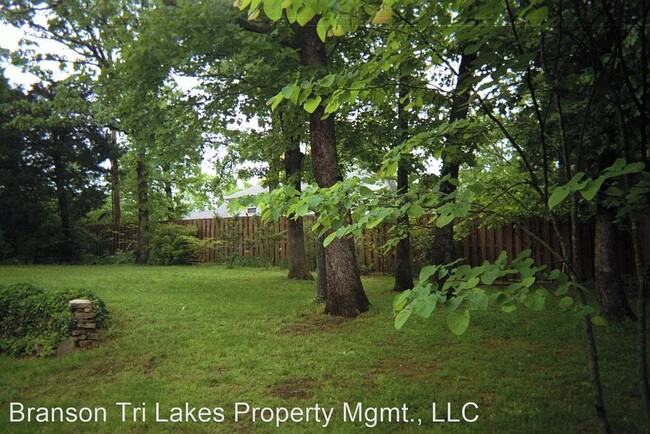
column 115, row 179
column 613, row 301
column 403, row 271
column 594, row 364
column 298, row 266
column 63, row 204
column 643, row 283
column 345, row 294
column 445, row 250
column 142, row 248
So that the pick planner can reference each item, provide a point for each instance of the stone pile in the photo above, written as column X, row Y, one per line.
column 84, row 330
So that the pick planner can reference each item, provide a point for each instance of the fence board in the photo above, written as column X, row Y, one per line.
column 249, row 237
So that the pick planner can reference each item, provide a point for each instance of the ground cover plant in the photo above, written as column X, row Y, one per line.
column 212, row 336
column 34, row 321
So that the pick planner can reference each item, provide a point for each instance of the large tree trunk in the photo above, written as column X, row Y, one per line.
column 115, row 179
column 613, row 301
column 403, row 271
column 298, row 266
column 445, row 250
column 142, row 248
column 345, row 294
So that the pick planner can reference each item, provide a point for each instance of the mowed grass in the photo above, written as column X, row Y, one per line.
column 211, row 337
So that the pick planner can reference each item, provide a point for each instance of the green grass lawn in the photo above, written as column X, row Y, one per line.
column 211, row 337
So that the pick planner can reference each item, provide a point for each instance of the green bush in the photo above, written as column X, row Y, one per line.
column 172, row 244
column 34, row 321
column 119, row 258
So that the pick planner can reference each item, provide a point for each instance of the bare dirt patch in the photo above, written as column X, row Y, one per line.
column 295, row 388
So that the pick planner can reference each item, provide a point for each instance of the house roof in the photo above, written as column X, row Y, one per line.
column 250, row 191
column 222, row 209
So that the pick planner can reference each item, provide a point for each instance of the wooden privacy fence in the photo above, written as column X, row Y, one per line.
column 249, row 237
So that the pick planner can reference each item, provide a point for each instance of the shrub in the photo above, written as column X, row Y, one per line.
column 34, row 321
column 173, row 244
column 119, row 258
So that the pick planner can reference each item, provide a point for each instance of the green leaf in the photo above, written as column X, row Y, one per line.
column 566, row 302
column 528, row 281
column 328, row 240
column 471, row 283
column 536, row 16
column 402, row 317
column 384, row 15
column 557, row 197
column 598, row 320
column 338, row 30
column 322, row 27
column 458, row 321
column 427, row 272
column 302, row 209
column 275, row 101
column 331, row 107
column 592, row 187
column 633, row 168
column 273, row 9
column 292, row 12
column 400, row 301
column 614, row 191
column 444, row 220
column 478, row 300
column 415, row 210
column 312, row 104
column 562, row 288
column 305, row 15
column 535, row 301
column 326, row 81
column 424, row 307
column 471, row 49
column 489, row 277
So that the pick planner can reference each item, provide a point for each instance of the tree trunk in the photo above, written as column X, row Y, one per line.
column 403, row 271
column 445, row 250
column 142, row 248
column 594, row 363
column 63, row 204
column 298, row 266
column 643, row 283
column 321, row 276
column 613, row 301
column 115, row 179
column 345, row 294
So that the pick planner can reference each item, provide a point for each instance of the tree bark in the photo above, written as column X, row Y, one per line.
column 142, row 248
column 345, row 294
column 298, row 266
column 445, row 250
column 321, row 270
column 63, row 204
column 115, row 179
column 613, row 301
column 403, row 271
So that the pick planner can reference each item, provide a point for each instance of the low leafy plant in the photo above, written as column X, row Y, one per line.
column 34, row 321
column 173, row 244
column 120, row 257
column 459, row 291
